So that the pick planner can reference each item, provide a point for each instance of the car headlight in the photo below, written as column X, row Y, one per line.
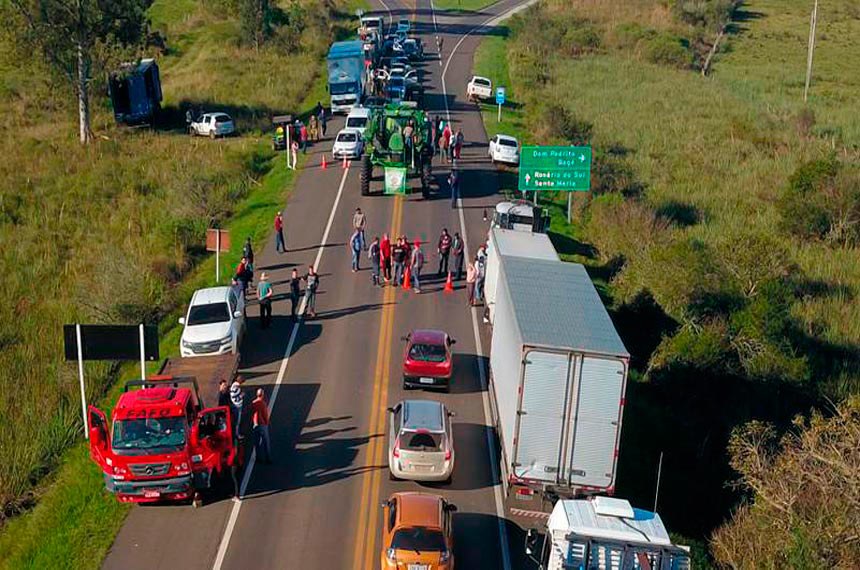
column 391, row 554
column 186, row 344
column 445, row 556
column 226, row 340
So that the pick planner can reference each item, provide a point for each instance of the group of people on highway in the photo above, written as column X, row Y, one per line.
column 446, row 141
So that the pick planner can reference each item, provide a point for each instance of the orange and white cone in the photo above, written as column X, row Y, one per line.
column 407, row 279
column 449, row 284
column 345, row 163
column 323, row 165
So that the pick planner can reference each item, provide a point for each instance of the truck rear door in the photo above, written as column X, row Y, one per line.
column 596, row 422
column 544, row 394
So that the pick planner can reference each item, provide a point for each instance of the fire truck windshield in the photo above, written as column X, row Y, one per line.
column 141, row 435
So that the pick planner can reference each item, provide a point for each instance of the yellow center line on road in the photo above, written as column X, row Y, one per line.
column 365, row 535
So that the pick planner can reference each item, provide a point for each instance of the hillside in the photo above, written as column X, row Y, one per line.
column 735, row 303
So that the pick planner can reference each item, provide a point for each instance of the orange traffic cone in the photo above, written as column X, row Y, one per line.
column 323, row 165
column 449, row 284
column 407, row 279
column 345, row 164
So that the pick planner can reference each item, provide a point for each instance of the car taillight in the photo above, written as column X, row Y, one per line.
column 396, row 452
column 525, row 492
column 448, row 455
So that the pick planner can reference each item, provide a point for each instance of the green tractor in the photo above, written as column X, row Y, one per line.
column 387, row 147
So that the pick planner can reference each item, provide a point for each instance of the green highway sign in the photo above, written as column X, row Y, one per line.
column 555, row 168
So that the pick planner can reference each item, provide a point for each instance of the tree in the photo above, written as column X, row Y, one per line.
column 805, row 509
column 256, row 18
column 76, row 35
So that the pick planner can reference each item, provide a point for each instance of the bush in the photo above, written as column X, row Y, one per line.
column 623, row 228
column 667, row 49
column 805, row 494
column 558, row 124
column 698, row 348
column 613, row 174
column 710, row 14
column 822, row 201
column 580, row 39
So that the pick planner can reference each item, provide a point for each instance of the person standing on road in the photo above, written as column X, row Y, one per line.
column 295, row 292
column 189, row 118
column 244, row 273
column 223, row 394
column 237, row 402
column 294, row 147
column 471, row 277
column 457, row 249
column 355, row 249
column 264, row 294
column 385, row 254
column 248, row 251
column 481, row 266
column 322, row 120
column 408, row 131
column 416, row 263
column 444, row 143
column 444, row 250
column 260, row 423
column 313, row 282
column 303, row 136
column 359, row 224
column 280, row 242
column 313, row 130
column 398, row 255
column 454, row 184
column 375, row 261
column 458, row 143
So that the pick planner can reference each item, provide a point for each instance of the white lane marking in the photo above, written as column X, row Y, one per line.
column 491, row 448
column 237, row 503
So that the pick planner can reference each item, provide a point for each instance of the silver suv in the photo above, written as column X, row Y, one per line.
column 421, row 443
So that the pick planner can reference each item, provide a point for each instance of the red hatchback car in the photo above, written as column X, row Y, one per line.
column 427, row 360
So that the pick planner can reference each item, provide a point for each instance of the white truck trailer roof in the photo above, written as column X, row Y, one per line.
column 592, row 518
column 556, row 306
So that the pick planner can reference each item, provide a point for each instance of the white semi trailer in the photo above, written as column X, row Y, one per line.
column 557, row 385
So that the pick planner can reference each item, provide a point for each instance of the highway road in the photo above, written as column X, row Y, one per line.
column 331, row 378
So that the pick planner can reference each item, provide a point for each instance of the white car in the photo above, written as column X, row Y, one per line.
column 215, row 322
column 479, row 88
column 504, row 149
column 358, row 119
column 213, row 125
column 348, row 144
column 421, row 443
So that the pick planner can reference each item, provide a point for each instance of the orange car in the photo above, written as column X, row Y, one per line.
column 418, row 533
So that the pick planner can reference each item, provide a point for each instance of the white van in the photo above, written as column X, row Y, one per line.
column 358, row 118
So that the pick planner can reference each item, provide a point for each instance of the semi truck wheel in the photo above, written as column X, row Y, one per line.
column 366, row 175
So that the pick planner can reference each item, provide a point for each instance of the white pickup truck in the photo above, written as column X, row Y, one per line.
column 479, row 88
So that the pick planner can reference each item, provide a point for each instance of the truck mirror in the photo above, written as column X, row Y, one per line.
column 404, row 338
column 390, row 410
column 181, row 320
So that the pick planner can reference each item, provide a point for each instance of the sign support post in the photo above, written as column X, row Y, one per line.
column 569, row 200
column 500, row 100
column 142, row 355
column 218, row 255
column 81, row 377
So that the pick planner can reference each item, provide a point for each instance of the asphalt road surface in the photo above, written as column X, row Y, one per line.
column 332, row 377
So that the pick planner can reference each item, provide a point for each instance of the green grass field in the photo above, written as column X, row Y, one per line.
column 470, row 5
column 113, row 233
column 719, row 149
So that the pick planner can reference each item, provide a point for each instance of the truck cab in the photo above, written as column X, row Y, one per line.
column 520, row 215
column 346, row 75
column 161, row 443
column 604, row 534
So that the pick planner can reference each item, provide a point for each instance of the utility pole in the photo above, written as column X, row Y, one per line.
column 813, row 21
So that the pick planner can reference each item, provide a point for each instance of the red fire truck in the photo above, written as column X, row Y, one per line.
column 163, row 443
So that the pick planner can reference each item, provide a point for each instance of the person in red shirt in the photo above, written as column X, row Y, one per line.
column 260, row 423
column 303, row 135
column 280, row 242
column 385, row 252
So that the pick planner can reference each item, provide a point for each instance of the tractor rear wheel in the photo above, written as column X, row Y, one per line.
column 366, row 175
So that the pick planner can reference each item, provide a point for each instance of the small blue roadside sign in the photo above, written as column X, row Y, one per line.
column 500, row 95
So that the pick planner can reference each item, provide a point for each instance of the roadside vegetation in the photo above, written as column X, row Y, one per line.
column 113, row 231
column 462, row 4
column 722, row 228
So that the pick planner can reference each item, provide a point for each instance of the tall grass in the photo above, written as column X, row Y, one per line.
column 713, row 155
column 106, row 233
